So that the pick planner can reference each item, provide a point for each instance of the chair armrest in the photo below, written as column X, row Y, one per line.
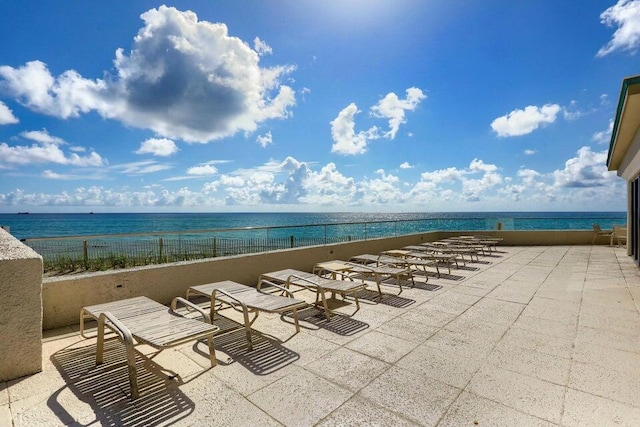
column 112, row 322
column 189, row 304
column 235, row 300
column 281, row 288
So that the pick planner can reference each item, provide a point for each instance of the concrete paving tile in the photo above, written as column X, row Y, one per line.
column 584, row 409
column 469, row 290
column 546, row 326
column 407, row 329
column 463, row 325
column 606, row 382
column 467, row 344
column 543, row 343
column 49, row 380
column 550, row 313
column 213, row 403
column 411, row 395
column 494, row 311
column 525, row 394
column 571, row 307
column 429, row 317
column 42, row 410
column 619, row 360
column 613, row 339
column 452, row 369
column 470, row 409
column 446, row 304
column 359, row 411
column 309, row 347
column 5, row 416
column 382, row 346
column 285, row 398
column 531, row 363
column 347, row 368
column 505, row 293
column 242, row 379
column 574, row 295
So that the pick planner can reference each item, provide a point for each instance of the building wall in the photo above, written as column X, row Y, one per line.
column 20, row 309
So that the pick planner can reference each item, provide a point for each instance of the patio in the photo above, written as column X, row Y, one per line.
column 538, row 335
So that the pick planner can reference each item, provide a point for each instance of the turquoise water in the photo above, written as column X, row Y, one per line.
column 58, row 225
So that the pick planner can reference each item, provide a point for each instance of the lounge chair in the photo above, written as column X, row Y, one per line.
column 432, row 254
column 619, row 234
column 147, row 322
column 597, row 232
column 248, row 300
column 352, row 270
column 314, row 283
column 397, row 261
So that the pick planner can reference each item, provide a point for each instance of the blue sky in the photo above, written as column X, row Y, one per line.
column 403, row 105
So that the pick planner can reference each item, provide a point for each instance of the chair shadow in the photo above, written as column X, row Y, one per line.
column 339, row 324
column 266, row 357
column 105, row 388
column 427, row 286
column 387, row 299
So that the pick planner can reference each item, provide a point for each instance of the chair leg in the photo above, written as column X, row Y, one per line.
column 212, row 351
column 295, row 319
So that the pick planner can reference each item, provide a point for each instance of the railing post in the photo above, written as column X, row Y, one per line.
column 85, row 253
column 365, row 231
column 215, row 246
column 325, row 234
column 292, row 241
column 161, row 242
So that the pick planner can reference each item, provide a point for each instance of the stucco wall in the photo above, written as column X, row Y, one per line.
column 20, row 309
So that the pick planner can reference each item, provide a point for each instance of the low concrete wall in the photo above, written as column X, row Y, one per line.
column 64, row 296
column 20, row 309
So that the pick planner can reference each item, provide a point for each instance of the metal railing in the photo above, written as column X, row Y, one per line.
column 102, row 252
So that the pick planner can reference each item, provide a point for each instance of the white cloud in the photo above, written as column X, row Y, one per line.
column 43, row 137
column 345, row 139
column 603, row 137
column 265, row 139
column 261, row 47
column 141, row 168
column 587, row 169
column 626, row 16
column 183, row 78
column 406, row 165
column 202, row 170
column 522, row 122
column 6, row 115
column 529, row 152
column 45, row 150
column 393, row 109
column 162, row 147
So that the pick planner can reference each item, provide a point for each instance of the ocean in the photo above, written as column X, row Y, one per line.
column 41, row 225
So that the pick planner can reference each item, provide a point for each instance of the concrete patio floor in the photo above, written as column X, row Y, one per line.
column 531, row 336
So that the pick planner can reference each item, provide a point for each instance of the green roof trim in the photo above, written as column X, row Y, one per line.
column 629, row 81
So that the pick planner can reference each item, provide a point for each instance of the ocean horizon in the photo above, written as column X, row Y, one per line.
column 45, row 225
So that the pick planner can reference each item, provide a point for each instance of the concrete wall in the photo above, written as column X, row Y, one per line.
column 64, row 296
column 20, row 309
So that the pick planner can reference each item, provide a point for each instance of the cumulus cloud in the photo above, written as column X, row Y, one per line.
column 603, row 137
column 162, row 147
column 201, row 170
column 345, row 138
column 406, row 165
column 529, row 152
column 265, row 139
column 392, row 108
column 6, row 115
column 625, row 15
column 261, row 47
column 45, row 150
column 523, row 122
column 587, row 169
column 183, row 78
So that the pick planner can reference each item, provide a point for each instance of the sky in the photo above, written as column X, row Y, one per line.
column 294, row 105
